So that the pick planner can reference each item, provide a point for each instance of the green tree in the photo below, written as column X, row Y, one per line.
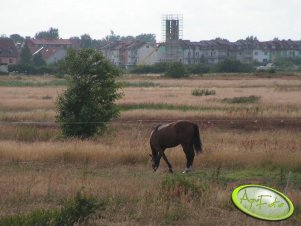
column 88, row 104
column 52, row 33
column 17, row 38
column 25, row 55
column 146, row 38
column 85, row 41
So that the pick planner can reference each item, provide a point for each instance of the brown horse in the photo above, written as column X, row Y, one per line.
column 170, row 135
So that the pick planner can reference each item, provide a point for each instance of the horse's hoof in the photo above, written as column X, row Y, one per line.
column 187, row 170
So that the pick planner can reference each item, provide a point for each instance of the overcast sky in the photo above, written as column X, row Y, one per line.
column 202, row 19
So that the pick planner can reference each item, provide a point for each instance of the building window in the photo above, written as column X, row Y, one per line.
column 255, row 53
column 10, row 52
column 0, row 51
column 10, row 60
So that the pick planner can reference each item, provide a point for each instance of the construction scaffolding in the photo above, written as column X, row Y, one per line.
column 172, row 27
column 172, row 32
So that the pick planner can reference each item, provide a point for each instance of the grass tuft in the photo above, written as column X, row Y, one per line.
column 203, row 92
column 242, row 100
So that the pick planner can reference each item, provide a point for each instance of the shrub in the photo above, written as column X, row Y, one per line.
column 242, row 100
column 33, row 70
column 22, row 68
column 75, row 210
column 233, row 66
column 203, row 92
column 176, row 186
column 176, row 70
column 145, row 69
column 198, row 68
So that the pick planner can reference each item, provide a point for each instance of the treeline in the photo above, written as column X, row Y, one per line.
column 85, row 40
column 178, row 69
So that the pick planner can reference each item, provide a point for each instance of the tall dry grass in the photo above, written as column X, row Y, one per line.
column 38, row 103
column 128, row 144
column 39, row 170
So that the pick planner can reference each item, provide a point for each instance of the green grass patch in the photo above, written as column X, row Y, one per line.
column 265, row 176
column 160, row 106
column 242, row 100
column 18, row 83
column 184, row 108
column 202, row 92
column 139, row 84
column 74, row 211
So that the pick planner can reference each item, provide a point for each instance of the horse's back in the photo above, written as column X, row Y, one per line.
column 184, row 130
column 173, row 134
column 164, row 136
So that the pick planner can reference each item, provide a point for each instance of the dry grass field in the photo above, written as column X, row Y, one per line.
column 249, row 142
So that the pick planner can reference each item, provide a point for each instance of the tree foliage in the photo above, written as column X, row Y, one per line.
column 85, row 41
column 146, row 38
column 25, row 55
column 88, row 104
column 38, row 60
column 52, row 33
column 17, row 38
column 233, row 66
column 176, row 70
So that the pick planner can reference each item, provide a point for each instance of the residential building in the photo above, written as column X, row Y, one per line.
column 8, row 51
column 127, row 54
column 52, row 51
column 130, row 53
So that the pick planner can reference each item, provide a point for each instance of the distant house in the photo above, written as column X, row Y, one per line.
column 52, row 51
column 141, row 53
column 130, row 53
column 8, row 51
column 51, row 55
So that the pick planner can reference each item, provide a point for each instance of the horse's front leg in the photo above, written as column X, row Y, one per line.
column 168, row 163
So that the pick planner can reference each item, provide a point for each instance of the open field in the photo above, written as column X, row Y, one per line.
column 243, row 143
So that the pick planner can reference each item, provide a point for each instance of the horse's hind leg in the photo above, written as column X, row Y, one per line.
column 167, row 162
column 189, row 152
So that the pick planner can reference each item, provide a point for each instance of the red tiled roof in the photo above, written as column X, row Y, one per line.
column 51, row 42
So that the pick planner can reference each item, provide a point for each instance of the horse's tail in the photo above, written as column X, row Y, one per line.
column 197, row 143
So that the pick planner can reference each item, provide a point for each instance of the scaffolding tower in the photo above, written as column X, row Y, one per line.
column 172, row 27
column 172, row 32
